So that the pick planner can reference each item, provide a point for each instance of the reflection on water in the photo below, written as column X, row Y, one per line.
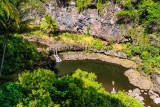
column 106, row 73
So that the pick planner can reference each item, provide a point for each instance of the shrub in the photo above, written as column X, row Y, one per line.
column 38, row 79
column 127, row 101
column 10, row 94
column 109, row 47
column 20, row 54
column 128, row 52
column 111, row 40
column 146, row 55
column 98, row 44
column 149, row 55
column 84, row 4
column 83, row 39
column 42, row 88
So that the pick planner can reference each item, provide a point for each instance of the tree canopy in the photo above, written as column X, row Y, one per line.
column 42, row 88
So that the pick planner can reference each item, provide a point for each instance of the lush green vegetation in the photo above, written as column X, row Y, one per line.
column 11, row 19
column 20, row 54
column 140, row 21
column 84, row 40
column 143, row 12
column 84, row 4
column 48, row 24
column 42, row 88
column 149, row 55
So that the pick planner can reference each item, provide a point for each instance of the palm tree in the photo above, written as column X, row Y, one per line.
column 9, row 23
column 48, row 24
column 25, row 8
column 12, row 14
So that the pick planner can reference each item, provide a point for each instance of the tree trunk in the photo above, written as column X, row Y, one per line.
column 138, row 36
column 4, row 52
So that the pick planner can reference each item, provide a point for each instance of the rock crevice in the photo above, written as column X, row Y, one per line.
column 69, row 19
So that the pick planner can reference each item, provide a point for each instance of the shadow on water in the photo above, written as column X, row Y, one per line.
column 106, row 73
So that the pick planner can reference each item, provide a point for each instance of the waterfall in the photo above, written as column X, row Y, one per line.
column 58, row 59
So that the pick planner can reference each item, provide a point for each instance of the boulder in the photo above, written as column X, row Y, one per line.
column 138, row 80
column 158, row 80
column 157, row 100
column 69, row 19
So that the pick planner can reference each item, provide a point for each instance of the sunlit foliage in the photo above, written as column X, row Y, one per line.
column 42, row 88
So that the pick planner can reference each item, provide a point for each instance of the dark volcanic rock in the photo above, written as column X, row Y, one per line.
column 51, row 45
column 112, row 53
column 156, row 80
column 67, row 47
column 69, row 19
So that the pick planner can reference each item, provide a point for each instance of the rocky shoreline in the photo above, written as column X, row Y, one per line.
column 96, row 56
column 152, row 84
column 135, row 78
column 111, row 56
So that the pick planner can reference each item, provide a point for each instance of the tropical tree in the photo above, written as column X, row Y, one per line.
column 25, row 8
column 48, row 24
column 9, row 23
column 10, row 94
column 152, row 21
column 12, row 13
column 42, row 88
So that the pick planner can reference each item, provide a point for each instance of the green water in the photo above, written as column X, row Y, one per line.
column 106, row 72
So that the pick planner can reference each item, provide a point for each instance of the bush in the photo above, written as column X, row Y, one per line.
column 10, row 94
column 128, row 52
column 146, row 55
column 20, row 54
column 149, row 55
column 109, row 47
column 126, row 100
column 98, row 44
column 40, row 78
column 84, row 4
column 83, row 39
column 42, row 88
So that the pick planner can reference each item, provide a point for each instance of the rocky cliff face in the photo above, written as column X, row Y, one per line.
column 69, row 19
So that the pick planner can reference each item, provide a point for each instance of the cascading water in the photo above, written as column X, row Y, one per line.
column 58, row 59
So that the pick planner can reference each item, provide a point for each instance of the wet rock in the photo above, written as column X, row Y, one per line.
column 136, row 94
column 137, row 90
column 82, row 55
column 111, row 53
column 116, row 54
column 61, row 47
column 137, row 79
column 151, row 92
column 142, row 91
column 130, row 91
column 153, row 95
column 145, row 93
column 156, row 80
column 157, row 100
